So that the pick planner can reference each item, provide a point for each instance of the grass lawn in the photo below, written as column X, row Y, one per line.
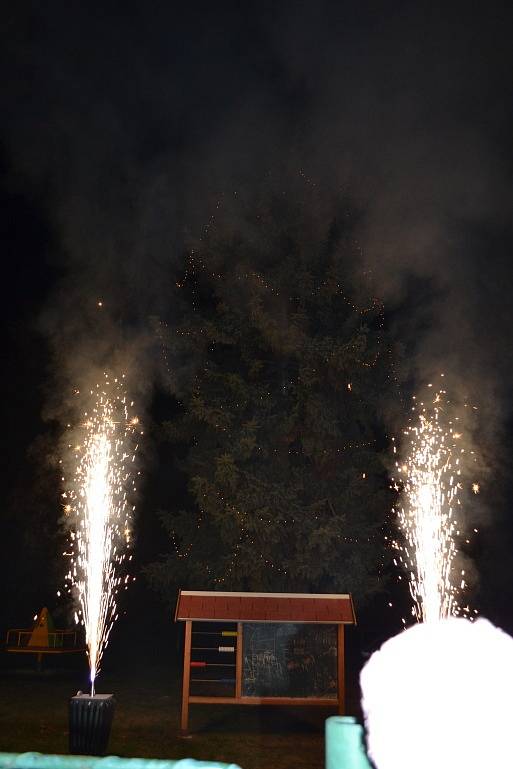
column 142, row 668
column 33, row 716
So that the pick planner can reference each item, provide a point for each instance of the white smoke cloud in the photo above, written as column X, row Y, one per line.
column 441, row 695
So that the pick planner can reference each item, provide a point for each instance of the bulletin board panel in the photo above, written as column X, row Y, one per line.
column 289, row 660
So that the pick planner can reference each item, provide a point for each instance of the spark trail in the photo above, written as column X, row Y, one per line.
column 98, row 506
column 430, row 480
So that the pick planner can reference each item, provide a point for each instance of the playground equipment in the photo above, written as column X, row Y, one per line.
column 263, row 649
column 42, row 638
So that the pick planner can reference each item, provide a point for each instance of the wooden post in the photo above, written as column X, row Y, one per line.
column 186, row 677
column 341, row 671
column 238, row 662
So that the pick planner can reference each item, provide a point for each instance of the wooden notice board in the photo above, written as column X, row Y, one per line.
column 263, row 648
column 289, row 660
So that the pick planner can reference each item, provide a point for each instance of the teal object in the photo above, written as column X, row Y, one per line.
column 43, row 761
column 345, row 748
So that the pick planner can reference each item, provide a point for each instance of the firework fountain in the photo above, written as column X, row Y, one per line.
column 419, row 691
column 430, row 478
column 99, row 512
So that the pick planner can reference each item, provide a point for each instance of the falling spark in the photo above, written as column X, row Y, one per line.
column 429, row 478
column 100, row 512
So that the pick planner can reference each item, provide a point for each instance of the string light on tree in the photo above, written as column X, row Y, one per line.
column 301, row 335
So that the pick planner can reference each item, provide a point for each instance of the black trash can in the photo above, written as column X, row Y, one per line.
column 90, row 720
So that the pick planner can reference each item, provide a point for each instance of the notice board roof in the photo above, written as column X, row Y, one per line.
column 214, row 606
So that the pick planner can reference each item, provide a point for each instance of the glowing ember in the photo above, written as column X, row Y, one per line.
column 430, row 479
column 98, row 506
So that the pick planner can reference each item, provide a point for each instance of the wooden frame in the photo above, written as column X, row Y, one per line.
column 186, row 677
column 341, row 668
column 239, row 699
column 238, row 662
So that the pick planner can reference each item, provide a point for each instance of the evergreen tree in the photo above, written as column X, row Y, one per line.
column 280, row 411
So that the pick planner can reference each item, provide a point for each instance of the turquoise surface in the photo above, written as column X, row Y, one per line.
column 345, row 747
column 43, row 761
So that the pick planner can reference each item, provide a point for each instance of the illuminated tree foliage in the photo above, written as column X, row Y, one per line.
column 280, row 410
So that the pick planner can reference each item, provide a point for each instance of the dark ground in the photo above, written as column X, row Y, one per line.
column 142, row 668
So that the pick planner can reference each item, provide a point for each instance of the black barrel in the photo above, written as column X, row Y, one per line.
column 90, row 720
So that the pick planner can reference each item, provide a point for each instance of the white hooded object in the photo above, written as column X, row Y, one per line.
column 440, row 695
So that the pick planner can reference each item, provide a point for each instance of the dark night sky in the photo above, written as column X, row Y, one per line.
column 123, row 127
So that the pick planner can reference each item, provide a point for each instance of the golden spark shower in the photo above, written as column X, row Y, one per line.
column 99, row 507
column 430, row 478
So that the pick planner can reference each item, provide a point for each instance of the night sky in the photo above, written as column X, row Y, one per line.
column 126, row 130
